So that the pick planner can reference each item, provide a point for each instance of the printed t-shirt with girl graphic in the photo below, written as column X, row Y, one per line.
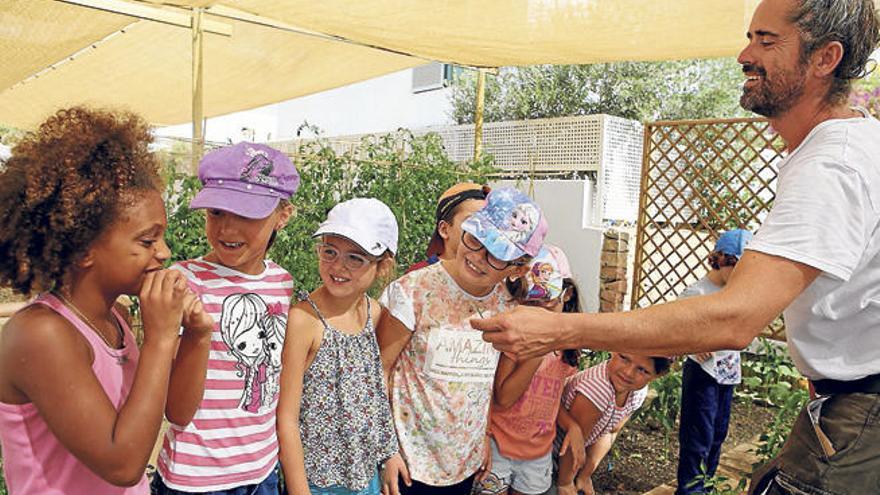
column 441, row 385
column 232, row 439
column 594, row 384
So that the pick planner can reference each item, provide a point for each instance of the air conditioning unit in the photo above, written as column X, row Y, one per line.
column 430, row 77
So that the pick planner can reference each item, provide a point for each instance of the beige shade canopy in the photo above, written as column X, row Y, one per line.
column 255, row 52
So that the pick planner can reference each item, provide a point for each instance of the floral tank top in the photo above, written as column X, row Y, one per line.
column 345, row 417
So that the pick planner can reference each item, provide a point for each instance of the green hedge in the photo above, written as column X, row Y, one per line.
column 406, row 172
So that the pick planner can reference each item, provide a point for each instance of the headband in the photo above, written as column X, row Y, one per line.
column 449, row 203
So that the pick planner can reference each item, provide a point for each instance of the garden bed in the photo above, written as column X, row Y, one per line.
column 642, row 459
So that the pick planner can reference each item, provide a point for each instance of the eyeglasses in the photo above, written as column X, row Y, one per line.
column 353, row 261
column 473, row 244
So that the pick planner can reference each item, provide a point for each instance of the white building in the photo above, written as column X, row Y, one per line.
column 412, row 98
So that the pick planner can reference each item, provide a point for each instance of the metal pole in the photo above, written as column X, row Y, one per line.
column 478, row 114
column 198, row 139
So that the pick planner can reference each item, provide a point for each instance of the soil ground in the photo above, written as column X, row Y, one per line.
column 644, row 457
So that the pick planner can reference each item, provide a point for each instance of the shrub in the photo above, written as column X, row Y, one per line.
column 406, row 172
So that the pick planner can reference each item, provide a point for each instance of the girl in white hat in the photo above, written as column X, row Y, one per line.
column 334, row 420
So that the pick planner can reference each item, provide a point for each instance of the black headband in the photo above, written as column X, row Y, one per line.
column 448, row 204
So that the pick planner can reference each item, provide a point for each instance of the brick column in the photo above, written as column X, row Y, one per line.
column 613, row 271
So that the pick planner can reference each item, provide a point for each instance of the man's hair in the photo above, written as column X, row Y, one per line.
column 853, row 23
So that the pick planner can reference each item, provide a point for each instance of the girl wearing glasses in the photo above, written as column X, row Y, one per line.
column 440, row 370
column 334, row 420
column 526, row 395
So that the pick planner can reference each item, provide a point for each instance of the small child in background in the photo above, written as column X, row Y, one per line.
column 441, row 370
column 708, row 379
column 83, row 223
column 601, row 399
column 526, row 395
column 334, row 419
column 454, row 206
column 223, row 438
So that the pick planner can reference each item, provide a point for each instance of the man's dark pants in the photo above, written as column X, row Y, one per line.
column 851, row 421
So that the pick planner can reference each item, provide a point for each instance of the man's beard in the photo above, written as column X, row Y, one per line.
column 773, row 96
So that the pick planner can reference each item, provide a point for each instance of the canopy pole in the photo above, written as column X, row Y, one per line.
column 198, row 139
column 478, row 114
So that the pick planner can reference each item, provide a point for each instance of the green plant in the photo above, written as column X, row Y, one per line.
column 769, row 376
column 774, row 437
column 719, row 484
column 406, row 172
column 9, row 136
column 683, row 89
column 662, row 411
column 590, row 358
column 2, row 479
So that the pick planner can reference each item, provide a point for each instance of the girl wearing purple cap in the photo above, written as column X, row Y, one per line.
column 83, row 223
column 334, row 420
column 527, row 394
column 440, row 370
column 222, row 437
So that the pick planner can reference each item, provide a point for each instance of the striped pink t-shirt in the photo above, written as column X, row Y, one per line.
column 594, row 384
column 231, row 440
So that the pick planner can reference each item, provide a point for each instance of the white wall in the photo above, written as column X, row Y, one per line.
column 567, row 205
column 376, row 105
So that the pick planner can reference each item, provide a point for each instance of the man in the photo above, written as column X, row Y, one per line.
column 817, row 256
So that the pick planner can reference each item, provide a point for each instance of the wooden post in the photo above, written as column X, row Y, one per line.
column 478, row 114
column 198, row 138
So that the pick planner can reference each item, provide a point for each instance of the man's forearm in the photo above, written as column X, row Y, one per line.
column 675, row 328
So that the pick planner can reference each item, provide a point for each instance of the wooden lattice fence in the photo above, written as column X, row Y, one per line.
column 698, row 178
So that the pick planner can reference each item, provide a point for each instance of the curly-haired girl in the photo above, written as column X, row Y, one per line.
column 83, row 219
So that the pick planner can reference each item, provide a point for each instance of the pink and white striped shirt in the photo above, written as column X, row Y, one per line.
column 594, row 384
column 232, row 440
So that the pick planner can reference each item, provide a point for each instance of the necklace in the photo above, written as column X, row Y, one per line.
column 121, row 358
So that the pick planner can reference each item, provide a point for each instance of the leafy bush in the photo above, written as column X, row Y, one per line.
column 719, row 484
column 406, row 172
column 777, row 432
column 768, row 376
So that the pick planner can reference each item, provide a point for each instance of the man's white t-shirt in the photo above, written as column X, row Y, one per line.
column 827, row 215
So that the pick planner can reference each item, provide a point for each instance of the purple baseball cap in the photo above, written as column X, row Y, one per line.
column 246, row 179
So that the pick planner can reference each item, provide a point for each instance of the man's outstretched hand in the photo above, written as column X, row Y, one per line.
column 525, row 332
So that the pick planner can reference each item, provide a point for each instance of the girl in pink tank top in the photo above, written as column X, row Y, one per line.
column 80, row 406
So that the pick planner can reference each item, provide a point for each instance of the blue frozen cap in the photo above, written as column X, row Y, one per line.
column 733, row 242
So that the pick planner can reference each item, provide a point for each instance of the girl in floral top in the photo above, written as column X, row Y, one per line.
column 440, row 369
column 334, row 421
